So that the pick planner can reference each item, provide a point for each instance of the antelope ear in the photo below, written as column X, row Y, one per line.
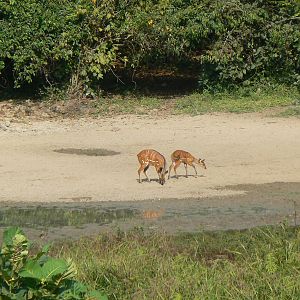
column 203, row 160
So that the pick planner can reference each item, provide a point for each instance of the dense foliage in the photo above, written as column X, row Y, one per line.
column 229, row 42
column 37, row 277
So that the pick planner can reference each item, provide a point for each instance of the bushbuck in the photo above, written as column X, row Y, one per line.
column 150, row 157
column 180, row 156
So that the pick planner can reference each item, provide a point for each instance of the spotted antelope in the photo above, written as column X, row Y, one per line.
column 149, row 157
column 180, row 156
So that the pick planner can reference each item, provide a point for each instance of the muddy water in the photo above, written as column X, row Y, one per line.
column 258, row 205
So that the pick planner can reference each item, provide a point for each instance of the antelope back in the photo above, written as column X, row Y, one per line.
column 152, row 157
column 182, row 155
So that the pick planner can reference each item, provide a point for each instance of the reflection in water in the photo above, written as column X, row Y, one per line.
column 152, row 214
column 259, row 205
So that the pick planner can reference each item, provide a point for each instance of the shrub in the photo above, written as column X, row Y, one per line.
column 37, row 277
column 54, row 41
column 229, row 42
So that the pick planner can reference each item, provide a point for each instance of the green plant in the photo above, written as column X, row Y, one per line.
column 37, row 277
column 259, row 263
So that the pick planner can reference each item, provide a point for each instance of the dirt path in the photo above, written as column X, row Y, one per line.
column 239, row 149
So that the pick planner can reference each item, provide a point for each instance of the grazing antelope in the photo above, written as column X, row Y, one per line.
column 180, row 156
column 149, row 157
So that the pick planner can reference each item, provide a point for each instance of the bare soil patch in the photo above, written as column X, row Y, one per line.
column 88, row 152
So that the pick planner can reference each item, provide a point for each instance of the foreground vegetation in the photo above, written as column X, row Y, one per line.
column 24, row 276
column 260, row 263
column 252, row 264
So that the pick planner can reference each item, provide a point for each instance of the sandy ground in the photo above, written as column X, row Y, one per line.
column 239, row 149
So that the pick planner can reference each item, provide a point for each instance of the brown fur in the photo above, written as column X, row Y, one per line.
column 150, row 157
column 180, row 156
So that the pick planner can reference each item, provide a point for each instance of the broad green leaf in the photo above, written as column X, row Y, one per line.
column 32, row 270
column 46, row 248
column 73, row 290
column 41, row 277
column 21, row 294
column 41, row 256
column 54, row 267
column 9, row 235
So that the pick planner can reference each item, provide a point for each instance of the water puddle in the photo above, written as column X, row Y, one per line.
column 88, row 152
column 259, row 205
column 45, row 217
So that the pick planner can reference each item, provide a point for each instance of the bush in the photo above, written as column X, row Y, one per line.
column 255, row 40
column 54, row 41
column 37, row 277
column 229, row 42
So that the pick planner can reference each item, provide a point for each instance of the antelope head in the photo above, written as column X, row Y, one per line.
column 201, row 162
column 162, row 176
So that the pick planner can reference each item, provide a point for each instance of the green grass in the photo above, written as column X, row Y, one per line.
column 251, row 264
column 290, row 112
column 239, row 101
column 256, row 98
column 127, row 105
column 246, row 99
